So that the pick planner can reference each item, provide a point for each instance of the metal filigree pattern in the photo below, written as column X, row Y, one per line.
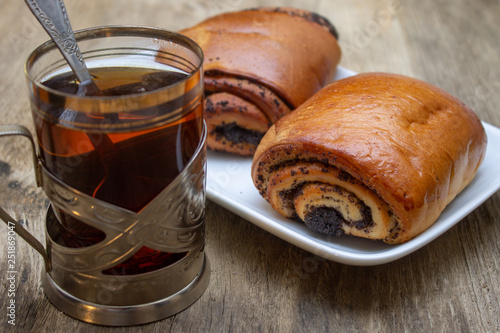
column 172, row 222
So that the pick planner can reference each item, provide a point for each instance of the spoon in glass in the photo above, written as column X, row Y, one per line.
column 54, row 19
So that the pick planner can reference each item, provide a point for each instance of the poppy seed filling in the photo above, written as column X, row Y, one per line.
column 327, row 221
column 236, row 134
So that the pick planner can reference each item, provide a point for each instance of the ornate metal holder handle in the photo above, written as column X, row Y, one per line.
column 9, row 130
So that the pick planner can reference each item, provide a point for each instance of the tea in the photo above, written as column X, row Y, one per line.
column 118, row 164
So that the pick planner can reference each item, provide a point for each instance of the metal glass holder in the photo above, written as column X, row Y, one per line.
column 173, row 222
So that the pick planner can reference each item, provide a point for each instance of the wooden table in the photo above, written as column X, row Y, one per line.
column 260, row 282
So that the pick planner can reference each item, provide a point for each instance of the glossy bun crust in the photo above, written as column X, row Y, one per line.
column 260, row 64
column 406, row 146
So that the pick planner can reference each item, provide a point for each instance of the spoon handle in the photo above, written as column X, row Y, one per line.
column 54, row 19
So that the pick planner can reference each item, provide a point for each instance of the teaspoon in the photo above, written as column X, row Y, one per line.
column 53, row 17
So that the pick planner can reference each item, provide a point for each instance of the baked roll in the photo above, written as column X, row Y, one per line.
column 375, row 155
column 260, row 64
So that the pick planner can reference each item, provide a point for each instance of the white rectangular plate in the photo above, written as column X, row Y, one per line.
column 229, row 184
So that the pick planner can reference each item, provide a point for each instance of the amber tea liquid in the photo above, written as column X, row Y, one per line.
column 127, row 168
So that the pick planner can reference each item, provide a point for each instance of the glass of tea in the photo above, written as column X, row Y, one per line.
column 124, row 167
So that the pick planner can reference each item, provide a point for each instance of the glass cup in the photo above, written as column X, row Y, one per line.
column 124, row 167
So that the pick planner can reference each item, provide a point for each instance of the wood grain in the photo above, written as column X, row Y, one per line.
column 259, row 282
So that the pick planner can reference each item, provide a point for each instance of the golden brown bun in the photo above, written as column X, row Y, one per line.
column 272, row 59
column 397, row 145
